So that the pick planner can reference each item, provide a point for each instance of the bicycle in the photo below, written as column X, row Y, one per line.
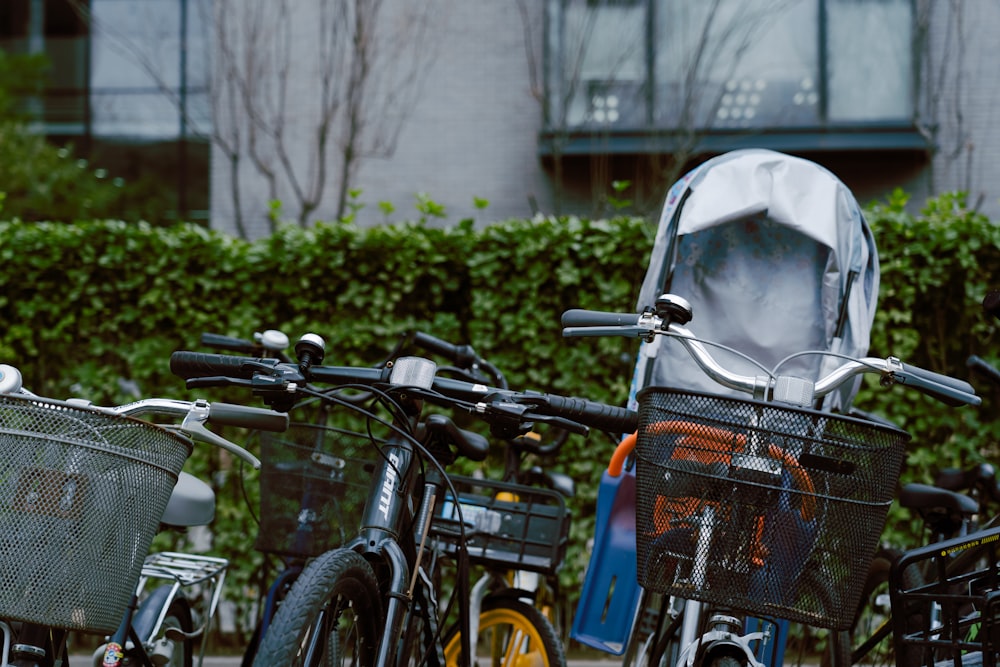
column 306, row 497
column 949, row 509
column 300, row 494
column 372, row 599
column 538, row 585
column 747, row 509
column 85, row 488
column 956, row 509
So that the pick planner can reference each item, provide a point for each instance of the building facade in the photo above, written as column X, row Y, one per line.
column 255, row 110
column 545, row 105
column 127, row 87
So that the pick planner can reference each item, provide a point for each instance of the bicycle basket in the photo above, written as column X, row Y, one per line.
column 772, row 510
column 313, row 485
column 81, row 496
column 960, row 580
column 510, row 526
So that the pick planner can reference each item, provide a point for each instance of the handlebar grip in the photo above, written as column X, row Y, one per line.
column 596, row 415
column 950, row 391
column 578, row 317
column 229, row 414
column 207, row 364
column 463, row 355
column 231, row 343
column 984, row 367
column 991, row 303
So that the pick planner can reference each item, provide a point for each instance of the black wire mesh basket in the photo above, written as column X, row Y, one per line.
column 507, row 526
column 946, row 607
column 768, row 509
column 81, row 497
column 313, row 484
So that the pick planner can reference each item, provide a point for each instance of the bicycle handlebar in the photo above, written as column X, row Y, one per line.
column 499, row 407
column 951, row 391
column 983, row 367
column 270, row 342
column 194, row 414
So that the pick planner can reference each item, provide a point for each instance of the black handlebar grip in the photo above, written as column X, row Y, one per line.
column 229, row 414
column 577, row 317
column 221, row 342
column 206, row 364
column 984, row 368
column 950, row 391
column 463, row 355
column 590, row 413
column 991, row 303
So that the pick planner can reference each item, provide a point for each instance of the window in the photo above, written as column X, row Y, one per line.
column 736, row 66
column 137, row 76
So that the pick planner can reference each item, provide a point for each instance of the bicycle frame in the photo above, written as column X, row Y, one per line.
column 382, row 540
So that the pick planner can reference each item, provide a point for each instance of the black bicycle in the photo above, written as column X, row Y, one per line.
column 371, row 600
column 935, row 604
column 314, row 481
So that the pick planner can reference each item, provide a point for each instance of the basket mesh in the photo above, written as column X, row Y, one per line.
column 81, row 496
column 510, row 526
column 313, row 485
column 771, row 510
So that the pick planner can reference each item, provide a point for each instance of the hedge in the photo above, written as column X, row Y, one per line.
column 95, row 308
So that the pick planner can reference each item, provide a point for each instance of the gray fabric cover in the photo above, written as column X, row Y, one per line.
column 762, row 245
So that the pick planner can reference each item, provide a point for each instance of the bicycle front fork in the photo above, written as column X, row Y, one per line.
column 32, row 646
column 723, row 637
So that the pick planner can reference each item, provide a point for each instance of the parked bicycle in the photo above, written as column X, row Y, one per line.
column 944, row 587
column 515, row 494
column 312, row 496
column 372, row 600
column 952, row 507
column 83, row 489
column 759, row 509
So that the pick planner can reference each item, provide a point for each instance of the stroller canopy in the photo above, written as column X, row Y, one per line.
column 775, row 257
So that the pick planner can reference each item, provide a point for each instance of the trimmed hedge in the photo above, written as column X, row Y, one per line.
column 94, row 309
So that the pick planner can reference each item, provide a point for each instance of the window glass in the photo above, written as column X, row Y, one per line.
column 136, row 66
column 737, row 63
column 728, row 64
column 602, row 64
column 870, row 59
column 14, row 16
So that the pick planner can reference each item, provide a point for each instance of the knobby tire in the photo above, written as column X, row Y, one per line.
column 331, row 616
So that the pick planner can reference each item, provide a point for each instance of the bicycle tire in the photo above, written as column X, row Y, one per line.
column 335, row 601
column 506, row 622
column 726, row 661
column 287, row 578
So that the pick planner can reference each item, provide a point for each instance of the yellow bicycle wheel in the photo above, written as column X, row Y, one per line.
column 512, row 633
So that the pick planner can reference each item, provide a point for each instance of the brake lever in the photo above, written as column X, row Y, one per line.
column 505, row 418
column 560, row 422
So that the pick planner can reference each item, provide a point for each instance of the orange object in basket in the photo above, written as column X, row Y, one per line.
column 707, row 444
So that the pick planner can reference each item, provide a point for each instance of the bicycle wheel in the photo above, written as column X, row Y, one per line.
column 870, row 639
column 512, row 633
column 331, row 616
